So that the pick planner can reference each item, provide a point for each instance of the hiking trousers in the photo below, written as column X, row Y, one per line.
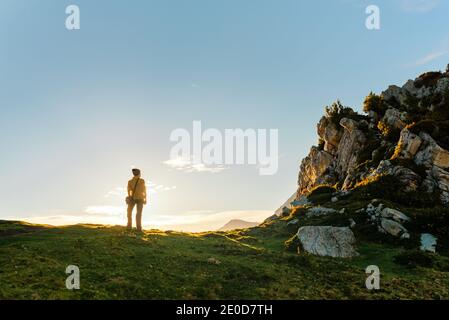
column 139, row 205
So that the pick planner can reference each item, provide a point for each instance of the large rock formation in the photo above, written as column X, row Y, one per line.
column 404, row 134
column 383, row 176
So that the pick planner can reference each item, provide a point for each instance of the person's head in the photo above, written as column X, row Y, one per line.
column 136, row 172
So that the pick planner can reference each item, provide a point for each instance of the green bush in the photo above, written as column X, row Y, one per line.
column 428, row 79
column 434, row 220
column 412, row 107
column 374, row 103
column 389, row 187
column 321, row 144
column 337, row 111
column 416, row 258
column 322, row 189
column 321, row 194
column 293, row 244
column 389, row 133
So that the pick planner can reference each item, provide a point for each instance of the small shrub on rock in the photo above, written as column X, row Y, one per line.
column 374, row 103
column 321, row 194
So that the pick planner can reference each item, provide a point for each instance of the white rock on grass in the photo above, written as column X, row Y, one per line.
column 337, row 242
column 393, row 228
column 428, row 242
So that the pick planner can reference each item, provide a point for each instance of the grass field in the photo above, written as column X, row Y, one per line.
column 250, row 264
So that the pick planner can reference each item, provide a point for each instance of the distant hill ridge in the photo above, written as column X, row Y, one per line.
column 238, row 224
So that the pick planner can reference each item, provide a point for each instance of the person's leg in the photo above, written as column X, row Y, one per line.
column 139, row 215
column 130, row 215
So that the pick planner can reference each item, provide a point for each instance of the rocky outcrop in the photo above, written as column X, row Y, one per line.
column 388, row 141
column 395, row 94
column 440, row 179
column 337, row 160
column 351, row 143
column 408, row 145
column 398, row 152
column 315, row 170
column 393, row 228
column 330, row 133
column 387, row 220
column 410, row 179
column 395, row 119
column 432, row 154
column 337, row 242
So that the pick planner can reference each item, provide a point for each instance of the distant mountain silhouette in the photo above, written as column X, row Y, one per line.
column 238, row 224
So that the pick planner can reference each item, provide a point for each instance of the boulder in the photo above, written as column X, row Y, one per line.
column 437, row 179
column 388, row 220
column 410, row 179
column 301, row 201
column 395, row 93
column 409, row 88
column 314, row 169
column 319, row 211
column 392, row 227
column 352, row 141
column 393, row 118
column 409, row 144
column 337, row 242
column 441, row 178
column 394, row 214
column 442, row 86
column 330, row 133
column 432, row 154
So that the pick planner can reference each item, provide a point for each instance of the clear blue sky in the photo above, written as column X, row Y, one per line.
column 79, row 108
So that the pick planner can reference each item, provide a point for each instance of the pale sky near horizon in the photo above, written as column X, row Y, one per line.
column 79, row 108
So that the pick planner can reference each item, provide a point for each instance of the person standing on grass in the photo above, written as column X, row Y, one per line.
column 137, row 197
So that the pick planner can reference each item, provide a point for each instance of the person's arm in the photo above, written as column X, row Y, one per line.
column 144, row 192
column 129, row 189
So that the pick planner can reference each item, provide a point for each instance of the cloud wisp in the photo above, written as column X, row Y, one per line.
column 432, row 56
column 185, row 165
column 419, row 6
column 152, row 188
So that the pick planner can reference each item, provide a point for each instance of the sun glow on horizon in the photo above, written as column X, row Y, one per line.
column 195, row 221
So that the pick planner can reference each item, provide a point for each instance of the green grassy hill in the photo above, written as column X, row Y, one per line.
column 245, row 264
